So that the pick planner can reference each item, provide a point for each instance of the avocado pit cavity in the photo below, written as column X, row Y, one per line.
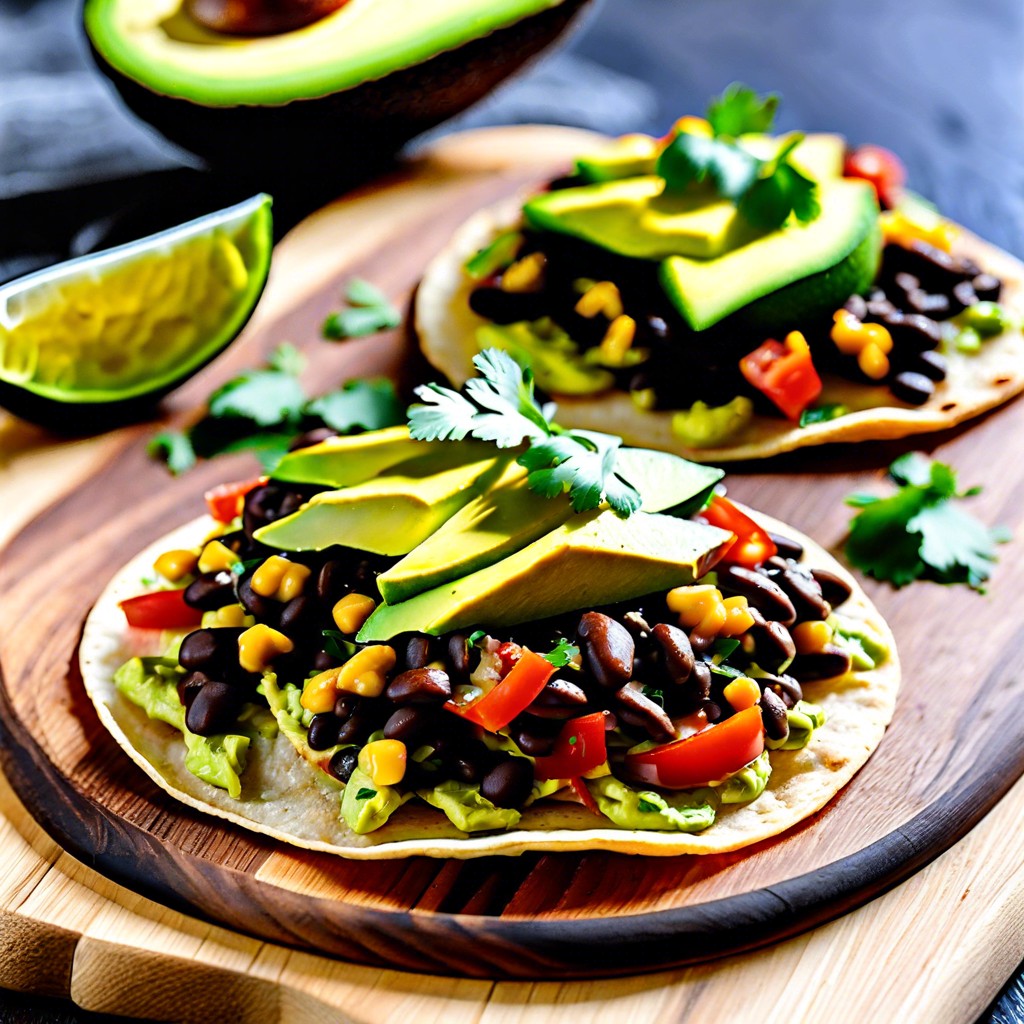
column 259, row 17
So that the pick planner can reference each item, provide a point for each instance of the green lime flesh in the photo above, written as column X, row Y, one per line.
column 117, row 326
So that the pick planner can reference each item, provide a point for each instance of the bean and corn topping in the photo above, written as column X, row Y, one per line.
column 467, row 706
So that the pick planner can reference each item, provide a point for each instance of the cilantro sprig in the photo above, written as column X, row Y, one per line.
column 263, row 410
column 920, row 532
column 562, row 653
column 368, row 312
column 500, row 406
column 765, row 191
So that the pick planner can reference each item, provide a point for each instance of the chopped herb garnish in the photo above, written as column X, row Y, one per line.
column 721, row 649
column 562, row 654
column 500, row 406
column 474, row 638
column 920, row 532
column 822, row 414
column 766, row 191
column 572, row 740
column 647, row 807
column 337, row 646
column 240, row 568
column 658, row 696
column 369, row 312
column 263, row 410
column 366, row 794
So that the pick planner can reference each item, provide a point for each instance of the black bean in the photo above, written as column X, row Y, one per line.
column 826, row 664
column 638, row 710
column 759, row 590
column 912, row 332
column 343, row 764
column 458, row 654
column 417, row 651
column 312, row 437
column 331, row 581
column 784, row 686
column 937, row 271
column 676, row 650
column 535, row 736
column 987, row 287
column 322, row 661
column 963, row 295
column 803, row 590
column 408, row 724
column 773, row 711
column 906, row 282
column 347, row 704
column 834, row 588
column 210, row 591
column 912, row 388
column 262, row 608
column 503, row 307
column 323, row 731
column 786, row 547
column 607, row 649
column 857, row 305
column 509, row 783
column 357, row 728
column 420, row 686
column 880, row 307
column 932, row 365
column 936, row 306
column 190, row 685
column 712, row 712
column 300, row 617
column 700, row 680
column 773, row 645
column 206, row 648
column 469, row 768
column 214, row 708
column 560, row 693
column 270, row 502
column 636, row 623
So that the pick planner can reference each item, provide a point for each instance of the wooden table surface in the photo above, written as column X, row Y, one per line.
column 934, row 949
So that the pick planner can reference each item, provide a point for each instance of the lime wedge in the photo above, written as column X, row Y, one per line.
column 97, row 339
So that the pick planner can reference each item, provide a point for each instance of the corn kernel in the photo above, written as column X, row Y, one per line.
column 229, row 615
column 176, row 565
column 712, row 623
column 384, row 761
column 525, row 275
column 259, row 645
column 216, row 557
column 352, row 611
column 693, row 126
column 644, row 398
column 692, row 604
column 897, row 227
column 742, row 693
column 811, row 637
column 365, row 673
column 737, row 616
column 279, row 579
column 618, row 339
column 874, row 363
column 851, row 336
column 602, row 297
column 320, row 692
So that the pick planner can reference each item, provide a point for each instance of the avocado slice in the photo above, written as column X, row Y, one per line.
column 390, row 514
column 362, row 80
column 510, row 515
column 344, row 461
column 628, row 212
column 706, row 291
column 594, row 559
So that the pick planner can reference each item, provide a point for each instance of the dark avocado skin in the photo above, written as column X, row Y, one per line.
column 347, row 135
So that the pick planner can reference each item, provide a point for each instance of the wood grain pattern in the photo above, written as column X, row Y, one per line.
column 536, row 914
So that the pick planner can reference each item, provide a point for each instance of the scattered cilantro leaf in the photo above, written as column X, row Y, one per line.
column 740, row 110
column 695, row 158
column 287, row 358
column 475, row 637
column 266, row 397
column 369, row 312
column 823, row 413
column 500, row 406
column 366, row 794
column 337, row 646
column 366, row 404
column 175, row 449
column 562, row 653
column 918, row 532
column 647, row 807
column 779, row 190
column 658, row 696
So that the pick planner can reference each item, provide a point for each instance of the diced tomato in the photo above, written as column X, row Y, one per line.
column 163, row 609
column 881, row 167
column 784, row 372
column 225, row 500
column 704, row 757
column 578, row 748
column 509, row 653
column 752, row 546
column 580, row 789
column 516, row 692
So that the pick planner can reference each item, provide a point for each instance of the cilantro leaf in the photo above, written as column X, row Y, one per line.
column 287, row 359
column 918, row 532
column 696, row 158
column 366, row 794
column 369, row 312
column 646, row 807
column 740, row 110
column 366, row 404
column 823, row 413
column 444, row 415
column 175, row 449
column 562, row 653
column 337, row 646
column 269, row 446
column 780, row 189
column 359, row 292
column 266, row 397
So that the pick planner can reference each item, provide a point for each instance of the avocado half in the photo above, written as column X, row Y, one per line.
column 355, row 84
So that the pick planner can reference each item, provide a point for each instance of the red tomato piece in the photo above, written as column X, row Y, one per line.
column 784, row 372
column 879, row 166
column 752, row 546
column 578, row 748
column 580, row 789
column 516, row 692
column 509, row 653
column 704, row 757
column 225, row 500
column 163, row 609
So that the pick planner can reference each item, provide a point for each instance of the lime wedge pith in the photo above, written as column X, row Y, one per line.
column 97, row 339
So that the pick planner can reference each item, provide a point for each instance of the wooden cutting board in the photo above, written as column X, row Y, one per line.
column 952, row 751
